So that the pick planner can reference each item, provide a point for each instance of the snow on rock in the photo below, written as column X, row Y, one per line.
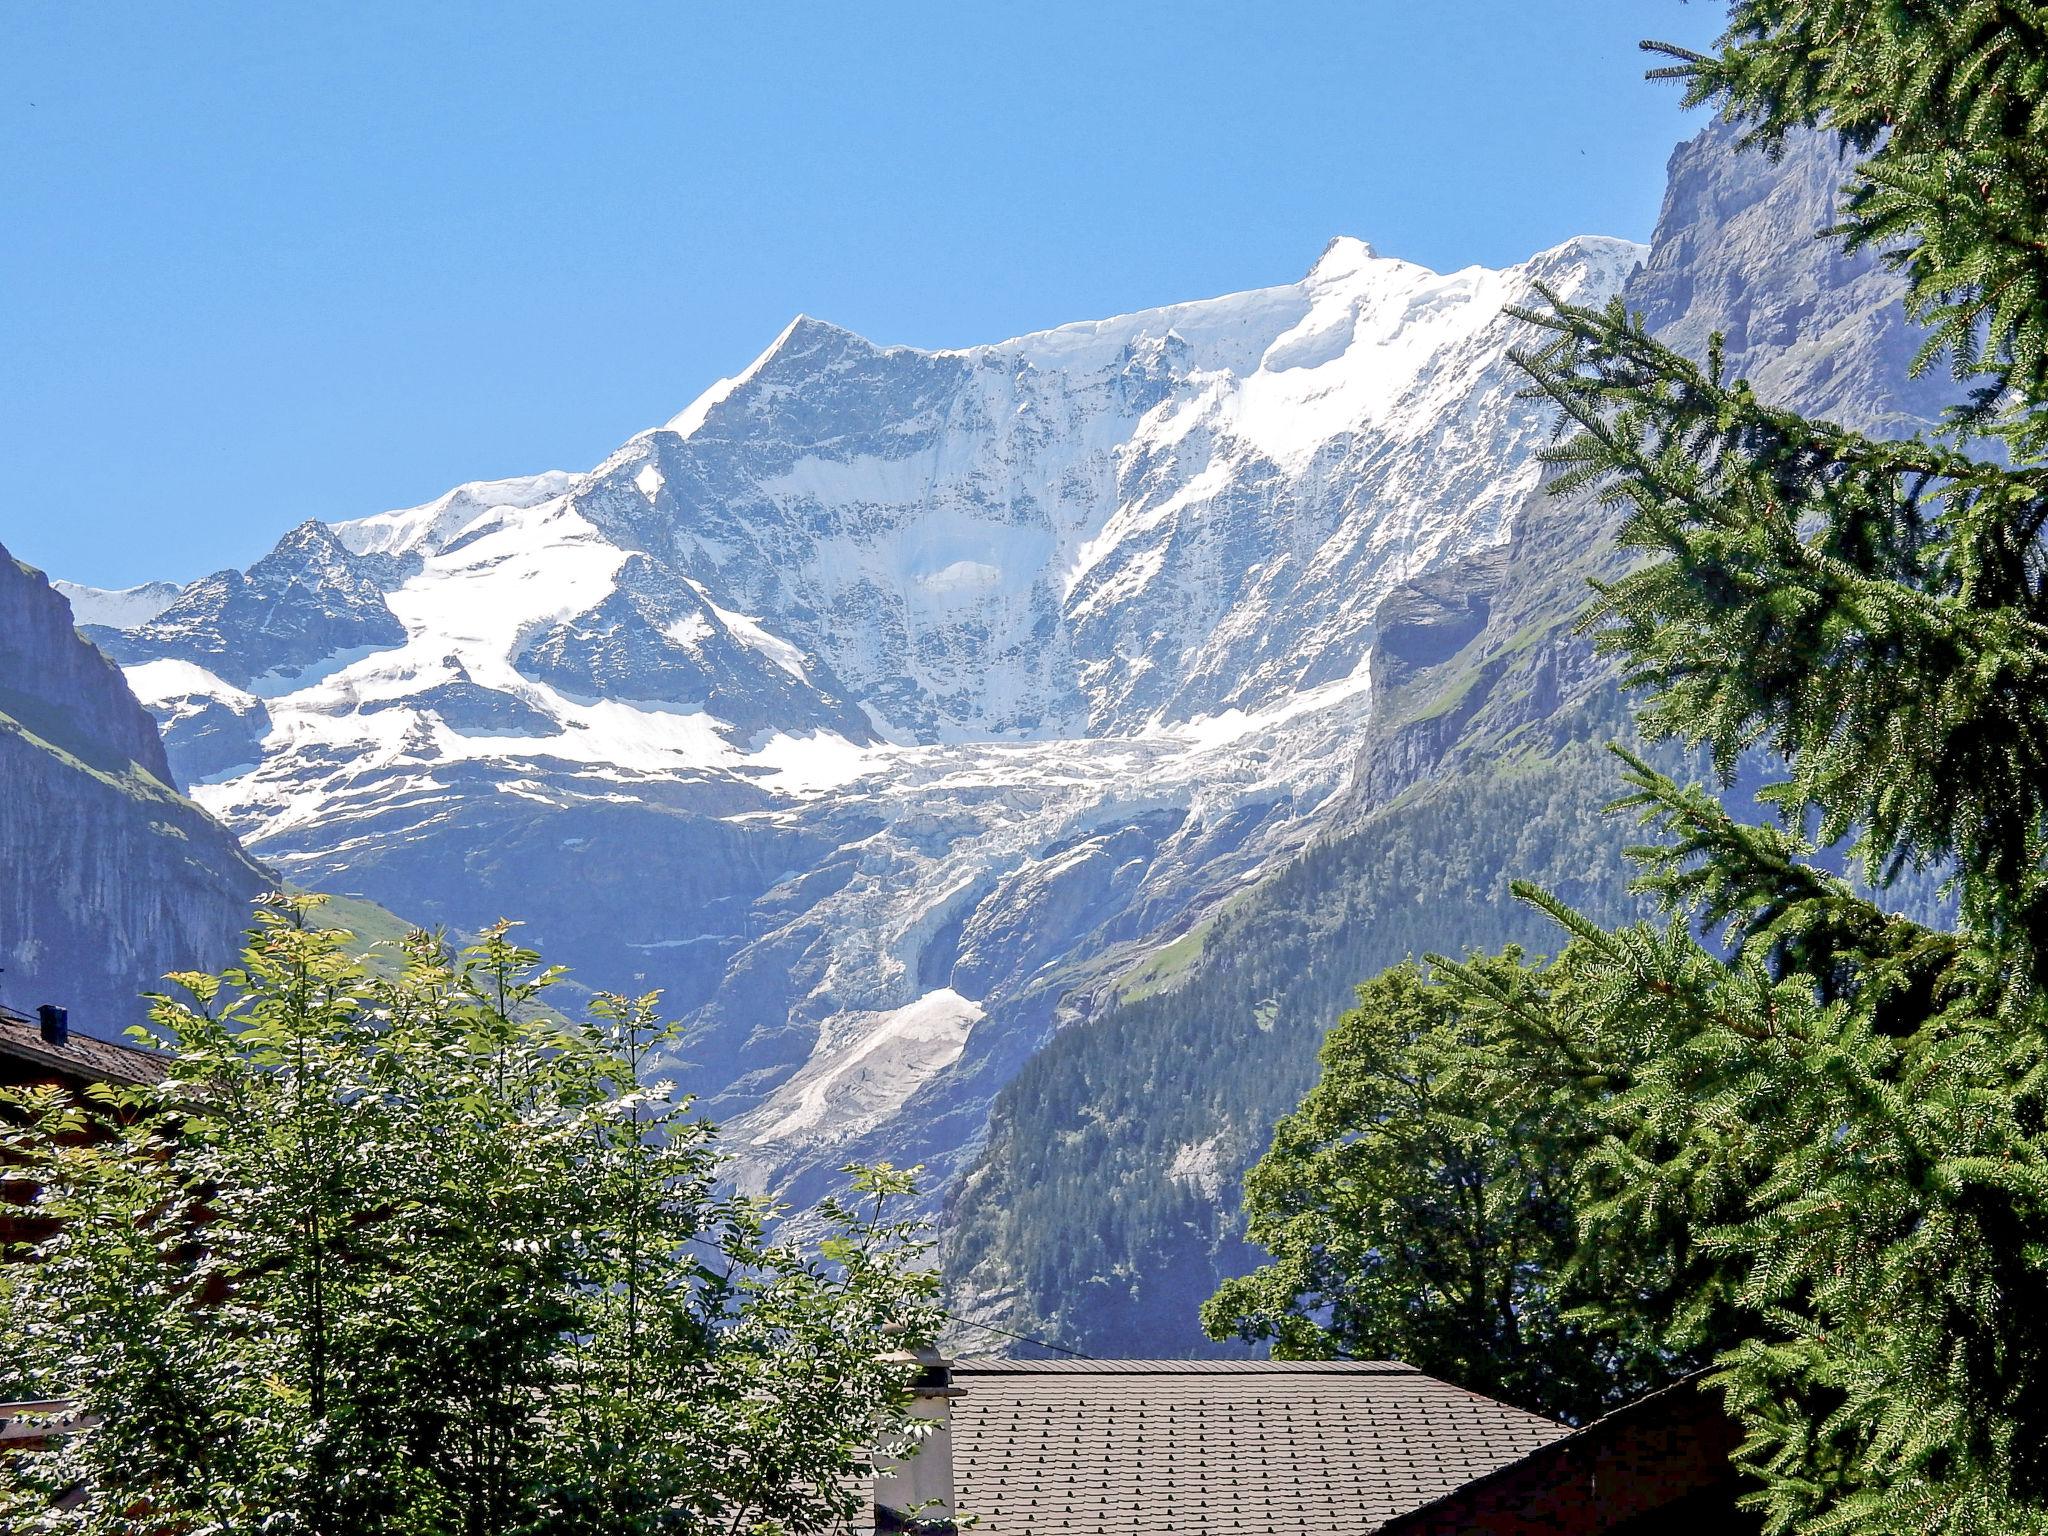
column 119, row 607
column 878, row 679
column 749, row 632
column 212, row 730
column 437, row 522
column 170, row 681
column 875, row 1066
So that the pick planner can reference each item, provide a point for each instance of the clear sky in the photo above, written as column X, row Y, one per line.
column 260, row 262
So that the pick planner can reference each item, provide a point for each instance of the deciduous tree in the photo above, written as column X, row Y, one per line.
column 416, row 1253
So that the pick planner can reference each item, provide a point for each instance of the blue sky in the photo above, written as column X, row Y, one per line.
column 265, row 262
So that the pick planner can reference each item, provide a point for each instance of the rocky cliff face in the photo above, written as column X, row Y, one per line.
column 113, row 877
column 1736, row 253
column 1104, row 1207
column 1739, row 251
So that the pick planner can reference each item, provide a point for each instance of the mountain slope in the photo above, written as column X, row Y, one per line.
column 1104, row 1209
column 114, row 878
column 883, row 701
column 117, row 608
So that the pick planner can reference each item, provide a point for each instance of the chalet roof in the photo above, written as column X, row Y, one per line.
column 81, row 1056
column 1664, row 1458
column 1263, row 1448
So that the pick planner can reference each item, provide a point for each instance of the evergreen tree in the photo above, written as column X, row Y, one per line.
column 1814, row 1130
column 416, row 1254
column 1839, row 1125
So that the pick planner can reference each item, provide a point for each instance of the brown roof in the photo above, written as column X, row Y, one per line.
column 1662, row 1459
column 81, row 1056
column 1276, row 1448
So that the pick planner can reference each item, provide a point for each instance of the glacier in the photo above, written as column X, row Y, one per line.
column 885, row 707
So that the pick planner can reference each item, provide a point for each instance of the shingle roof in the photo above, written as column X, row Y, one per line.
column 1275, row 1448
column 1629, row 1465
column 80, row 1056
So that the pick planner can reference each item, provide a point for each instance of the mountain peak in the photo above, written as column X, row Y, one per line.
column 1344, row 253
column 429, row 525
column 118, row 607
column 803, row 336
column 312, row 544
column 1606, row 254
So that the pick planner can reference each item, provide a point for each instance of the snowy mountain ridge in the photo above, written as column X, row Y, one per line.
column 118, row 607
column 884, row 703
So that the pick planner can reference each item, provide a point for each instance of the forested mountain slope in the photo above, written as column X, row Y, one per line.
column 1104, row 1207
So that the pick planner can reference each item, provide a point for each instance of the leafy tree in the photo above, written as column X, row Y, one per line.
column 417, row 1254
column 1815, row 1145
column 1419, row 1206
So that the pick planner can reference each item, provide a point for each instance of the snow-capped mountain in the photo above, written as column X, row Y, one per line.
column 1103, row 1208
column 884, row 703
column 118, row 607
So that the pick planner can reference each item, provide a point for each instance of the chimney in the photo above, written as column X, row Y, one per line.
column 915, row 1492
column 55, row 1022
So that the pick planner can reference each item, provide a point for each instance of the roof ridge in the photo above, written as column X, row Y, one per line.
column 1010, row 1365
column 81, row 1054
column 1262, row 1447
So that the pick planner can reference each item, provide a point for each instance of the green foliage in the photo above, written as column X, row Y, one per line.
column 1419, row 1206
column 1813, row 1148
column 1166, row 967
column 410, row 1253
column 1949, row 101
column 375, row 936
column 1816, row 1149
column 1872, row 612
column 1819, row 1156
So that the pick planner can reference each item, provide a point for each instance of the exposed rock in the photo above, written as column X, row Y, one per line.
column 1740, row 250
column 114, row 878
column 306, row 601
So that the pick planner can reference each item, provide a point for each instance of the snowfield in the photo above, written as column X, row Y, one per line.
column 884, row 705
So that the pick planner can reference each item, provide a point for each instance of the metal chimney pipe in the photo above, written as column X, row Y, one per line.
column 55, row 1023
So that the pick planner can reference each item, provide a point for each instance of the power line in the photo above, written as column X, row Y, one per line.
column 1023, row 1338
